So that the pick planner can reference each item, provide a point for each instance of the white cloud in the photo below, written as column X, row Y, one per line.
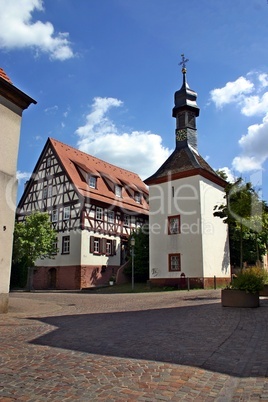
column 254, row 105
column 19, row 31
column 245, row 163
column 253, row 101
column 263, row 78
column 231, row 92
column 23, row 176
column 254, row 147
column 138, row 151
column 51, row 109
column 230, row 175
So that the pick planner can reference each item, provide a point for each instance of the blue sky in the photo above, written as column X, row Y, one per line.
column 104, row 75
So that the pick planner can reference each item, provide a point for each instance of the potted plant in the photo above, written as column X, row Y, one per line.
column 112, row 280
column 244, row 289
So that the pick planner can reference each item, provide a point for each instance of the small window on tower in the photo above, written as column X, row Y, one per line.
column 174, row 224
column 181, row 120
column 174, row 262
column 191, row 120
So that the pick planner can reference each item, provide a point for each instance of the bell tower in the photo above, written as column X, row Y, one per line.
column 185, row 111
column 190, row 241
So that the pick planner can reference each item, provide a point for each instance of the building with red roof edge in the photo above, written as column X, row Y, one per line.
column 94, row 207
column 191, row 245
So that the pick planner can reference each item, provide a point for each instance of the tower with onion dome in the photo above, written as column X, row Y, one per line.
column 188, row 245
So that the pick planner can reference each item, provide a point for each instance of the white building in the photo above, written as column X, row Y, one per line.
column 186, row 240
column 94, row 206
column 12, row 104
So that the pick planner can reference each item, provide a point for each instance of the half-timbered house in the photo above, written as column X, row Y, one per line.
column 94, row 206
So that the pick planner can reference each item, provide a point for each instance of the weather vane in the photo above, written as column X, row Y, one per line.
column 183, row 62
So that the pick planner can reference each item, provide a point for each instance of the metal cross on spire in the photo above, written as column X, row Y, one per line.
column 183, row 62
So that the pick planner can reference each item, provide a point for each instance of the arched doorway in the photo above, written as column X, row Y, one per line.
column 52, row 278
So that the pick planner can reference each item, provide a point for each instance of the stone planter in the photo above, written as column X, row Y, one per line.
column 264, row 291
column 239, row 298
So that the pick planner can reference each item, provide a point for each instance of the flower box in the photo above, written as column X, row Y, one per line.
column 239, row 298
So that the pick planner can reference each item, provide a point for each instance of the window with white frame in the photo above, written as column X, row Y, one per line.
column 49, row 191
column 66, row 212
column 174, row 262
column 48, row 162
column 99, row 213
column 118, row 191
column 66, row 245
column 45, row 192
column 110, row 216
column 108, row 247
column 92, row 182
column 96, row 245
column 54, row 215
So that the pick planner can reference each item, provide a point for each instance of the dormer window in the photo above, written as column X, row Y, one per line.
column 118, row 191
column 138, row 197
column 92, row 182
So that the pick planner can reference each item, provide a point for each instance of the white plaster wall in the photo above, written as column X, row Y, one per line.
column 74, row 258
column 215, row 233
column 88, row 258
column 7, row 219
column 10, row 118
column 186, row 203
column 10, row 121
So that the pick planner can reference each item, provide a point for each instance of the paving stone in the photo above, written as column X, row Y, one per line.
column 166, row 346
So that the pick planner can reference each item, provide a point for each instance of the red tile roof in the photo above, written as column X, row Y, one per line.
column 4, row 76
column 107, row 176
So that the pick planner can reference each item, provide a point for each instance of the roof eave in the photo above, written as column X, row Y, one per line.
column 188, row 173
column 15, row 95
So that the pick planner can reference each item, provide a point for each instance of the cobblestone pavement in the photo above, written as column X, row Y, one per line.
column 166, row 346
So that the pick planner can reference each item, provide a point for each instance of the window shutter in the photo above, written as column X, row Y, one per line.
column 103, row 246
column 114, row 247
column 91, row 247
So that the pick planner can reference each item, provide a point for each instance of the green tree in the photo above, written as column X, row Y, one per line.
column 34, row 238
column 246, row 216
column 141, row 254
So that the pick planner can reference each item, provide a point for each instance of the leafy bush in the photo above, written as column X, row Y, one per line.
column 251, row 280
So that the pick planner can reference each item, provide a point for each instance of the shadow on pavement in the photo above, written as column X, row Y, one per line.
column 224, row 340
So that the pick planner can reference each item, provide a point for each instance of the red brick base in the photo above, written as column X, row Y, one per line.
column 191, row 283
column 71, row 277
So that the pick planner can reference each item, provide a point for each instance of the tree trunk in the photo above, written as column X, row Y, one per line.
column 241, row 246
